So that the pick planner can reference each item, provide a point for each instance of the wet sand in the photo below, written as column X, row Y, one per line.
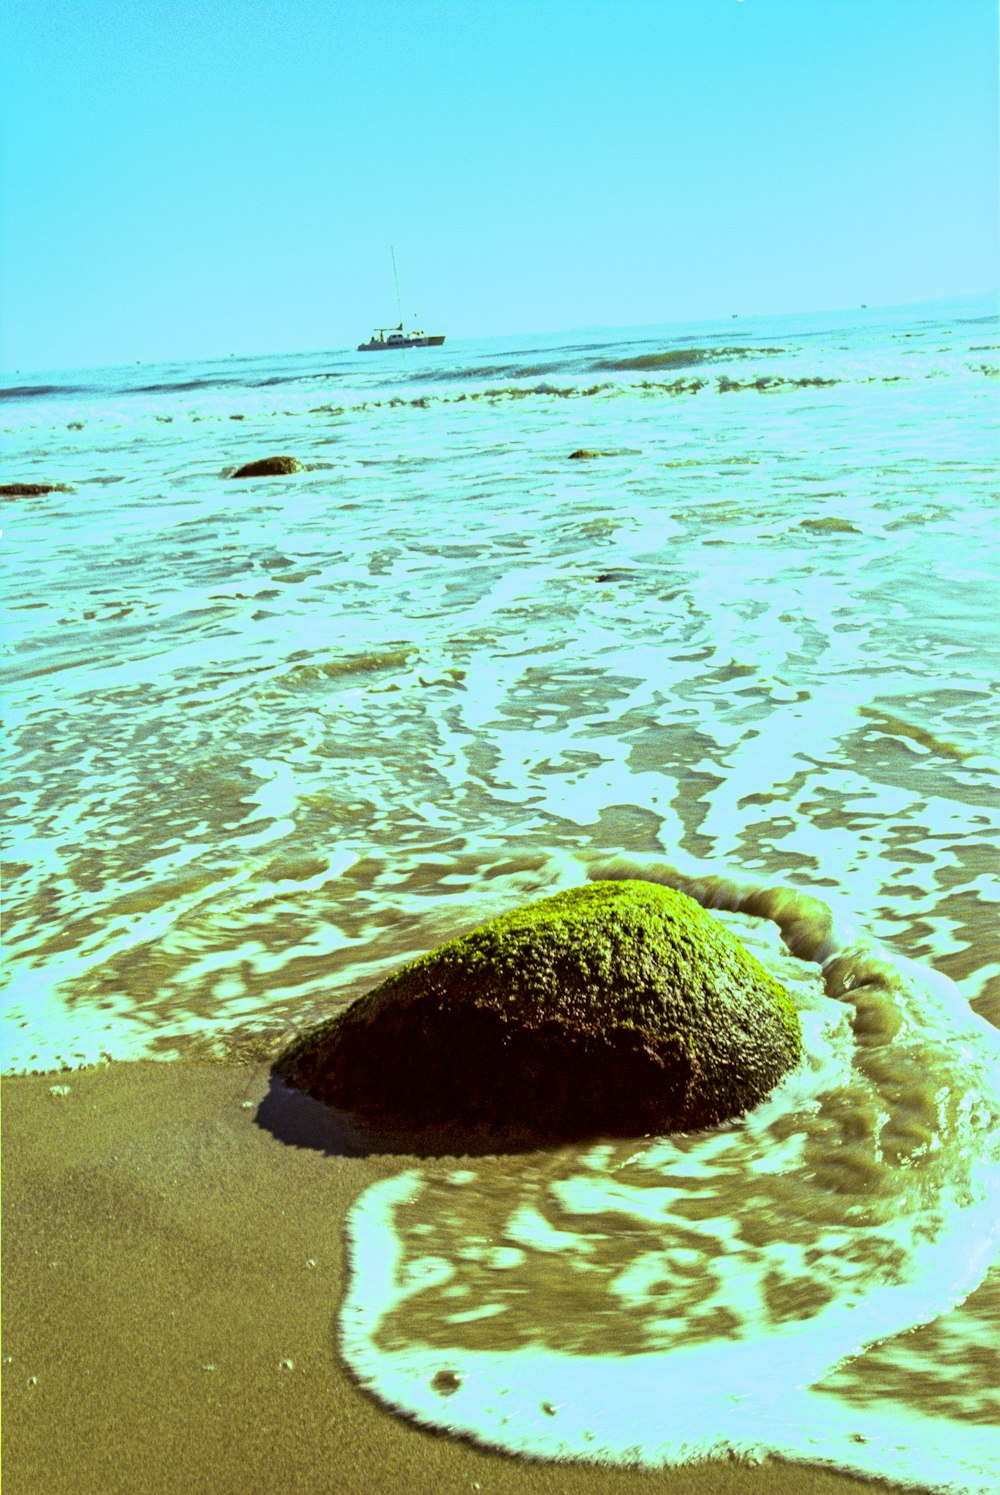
column 173, row 1260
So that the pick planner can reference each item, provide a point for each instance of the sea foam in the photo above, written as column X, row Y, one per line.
column 674, row 1299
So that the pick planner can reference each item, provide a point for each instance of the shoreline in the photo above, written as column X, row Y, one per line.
column 172, row 1276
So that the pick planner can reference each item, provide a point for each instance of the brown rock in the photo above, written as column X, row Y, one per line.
column 32, row 490
column 619, row 1008
column 268, row 467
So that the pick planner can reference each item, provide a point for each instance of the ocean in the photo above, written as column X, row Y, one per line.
column 711, row 604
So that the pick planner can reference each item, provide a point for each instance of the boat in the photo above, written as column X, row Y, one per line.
column 385, row 338
column 395, row 337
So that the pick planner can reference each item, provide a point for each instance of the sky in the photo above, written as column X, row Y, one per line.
column 193, row 178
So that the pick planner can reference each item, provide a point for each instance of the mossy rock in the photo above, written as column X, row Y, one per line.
column 619, row 1008
column 268, row 467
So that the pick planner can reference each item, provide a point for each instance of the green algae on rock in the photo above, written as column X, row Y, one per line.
column 619, row 1008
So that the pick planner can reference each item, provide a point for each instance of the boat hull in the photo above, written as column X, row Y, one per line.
column 387, row 344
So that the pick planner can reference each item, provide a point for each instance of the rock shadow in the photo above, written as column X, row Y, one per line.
column 297, row 1120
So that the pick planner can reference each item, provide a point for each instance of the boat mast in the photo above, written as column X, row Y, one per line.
column 395, row 279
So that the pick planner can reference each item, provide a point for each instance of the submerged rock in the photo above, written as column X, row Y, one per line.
column 616, row 1008
column 831, row 524
column 587, row 454
column 32, row 490
column 268, row 467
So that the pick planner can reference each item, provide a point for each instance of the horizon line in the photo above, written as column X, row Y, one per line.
column 605, row 327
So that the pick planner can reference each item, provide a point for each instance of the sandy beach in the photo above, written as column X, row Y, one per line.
column 172, row 1270
column 453, row 458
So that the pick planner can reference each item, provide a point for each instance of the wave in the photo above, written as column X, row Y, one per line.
column 607, row 388
column 680, row 358
column 37, row 391
column 502, row 369
column 294, row 378
column 774, row 381
column 185, row 386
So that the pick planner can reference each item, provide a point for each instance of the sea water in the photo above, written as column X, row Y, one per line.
column 268, row 738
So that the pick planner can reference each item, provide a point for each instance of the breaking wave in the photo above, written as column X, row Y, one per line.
column 679, row 358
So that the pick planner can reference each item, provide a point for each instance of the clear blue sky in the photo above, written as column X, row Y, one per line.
column 197, row 177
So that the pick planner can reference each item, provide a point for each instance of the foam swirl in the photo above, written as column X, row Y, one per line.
column 684, row 1297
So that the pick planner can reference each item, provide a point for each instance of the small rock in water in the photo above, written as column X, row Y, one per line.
column 586, row 453
column 32, row 490
column 619, row 1008
column 831, row 524
column 268, row 467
